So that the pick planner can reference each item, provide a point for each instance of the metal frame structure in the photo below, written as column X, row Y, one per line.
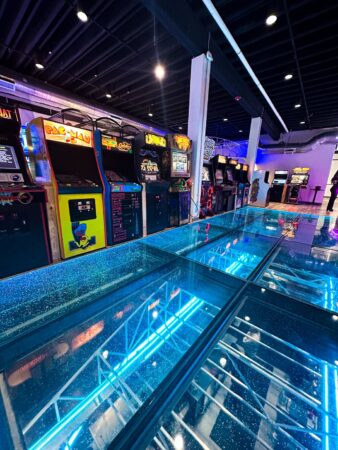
column 327, row 375
column 143, row 333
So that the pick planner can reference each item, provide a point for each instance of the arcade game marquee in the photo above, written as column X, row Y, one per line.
column 24, row 239
column 64, row 160
column 123, row 195
column 224, row 192
column 176, row 164
column 148, row 165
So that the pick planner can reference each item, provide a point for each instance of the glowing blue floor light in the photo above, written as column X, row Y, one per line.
column 146, row 349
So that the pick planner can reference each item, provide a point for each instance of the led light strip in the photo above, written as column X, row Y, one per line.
column 151, row 344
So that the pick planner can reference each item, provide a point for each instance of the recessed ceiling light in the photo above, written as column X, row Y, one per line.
column 108, row 95
column 159, row 72
column 50, row 52
column 39, row 66
column 270, row 20
column 150, row 114
column 225, row 119
column 298, row 105
column 302, row 122
column 240, row 131
column 180, row 128
column 81, row 15
column 288, row 76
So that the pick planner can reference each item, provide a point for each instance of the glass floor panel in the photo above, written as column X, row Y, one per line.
column 236, row 219
column 44, row 294
column 270, row 382
column 238, row 253
column 86, row 383
column 184, row 239
column 304, row 272
column 274, row 224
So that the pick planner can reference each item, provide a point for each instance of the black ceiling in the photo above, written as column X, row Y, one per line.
column 116, row 50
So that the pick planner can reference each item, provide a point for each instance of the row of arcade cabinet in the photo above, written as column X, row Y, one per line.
column 287, row 188
column 225, row 185
column 85, row 187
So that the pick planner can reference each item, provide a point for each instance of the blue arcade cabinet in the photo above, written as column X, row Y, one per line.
column 123, row 194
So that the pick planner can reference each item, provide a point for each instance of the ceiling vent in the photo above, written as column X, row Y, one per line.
column 7, row 83
column 289, row 151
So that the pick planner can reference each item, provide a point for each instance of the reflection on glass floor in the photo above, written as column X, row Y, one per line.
column 304, row 272
column 70, row 392
column 183, row 239
column 238, row 253
column 44, row 294
column 257, row 390
column 274, row 224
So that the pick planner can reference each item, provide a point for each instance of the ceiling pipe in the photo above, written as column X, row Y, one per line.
column 218, row 19
column 287, row 145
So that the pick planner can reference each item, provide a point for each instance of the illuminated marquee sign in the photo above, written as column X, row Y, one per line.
column 245, row 167
column 238, row 166
column 222, row 159
column 7, row 114
column 301, row 170
column 148, row 166
column 180, row 142
column 233, row 162
column 154, row 139
column 67, row 134
column 116, row 143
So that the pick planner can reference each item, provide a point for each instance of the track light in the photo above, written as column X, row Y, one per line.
column 271, row 19
column 81, row 15
column 159, row 72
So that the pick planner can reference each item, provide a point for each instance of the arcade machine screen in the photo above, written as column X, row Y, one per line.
column 230, row 175
column 179, row 165
column 219, row 176
column 205, row 174
column 299, row 179
column 280, row 177
column 8, row 159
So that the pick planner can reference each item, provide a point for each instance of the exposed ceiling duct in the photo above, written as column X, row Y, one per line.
column 327, row 137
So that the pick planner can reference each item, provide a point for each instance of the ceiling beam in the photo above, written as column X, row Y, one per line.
column 181, row 21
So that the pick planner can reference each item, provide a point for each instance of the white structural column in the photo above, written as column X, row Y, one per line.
column 253, row 142
column 198, row 110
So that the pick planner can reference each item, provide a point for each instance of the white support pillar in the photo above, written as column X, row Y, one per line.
column 198, row 110
column 255, row 132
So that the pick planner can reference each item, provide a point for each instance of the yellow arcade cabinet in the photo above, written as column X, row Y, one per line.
column 63, row 159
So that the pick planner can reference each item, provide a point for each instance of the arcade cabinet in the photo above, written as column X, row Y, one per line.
column 223, row 190
column 65, row 161
column 123, row 195
column 207, row 202
column 245, row 182
column 24, row 237
column 299, row 180
column 260, row 189
column 148, row 159
column 278, row 188
column 176, row 162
